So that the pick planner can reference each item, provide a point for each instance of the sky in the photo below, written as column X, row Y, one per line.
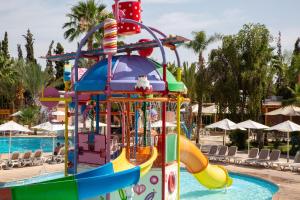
column 177, row 17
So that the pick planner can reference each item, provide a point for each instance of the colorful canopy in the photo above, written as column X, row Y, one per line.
column 125, row 73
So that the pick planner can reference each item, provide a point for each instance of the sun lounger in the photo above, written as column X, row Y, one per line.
column 14, row 160
column 252, row 155
column 26, row 159
column 3, row 163
column 263, row 155
column 212, row 151
column 274, row 157
column 293, row 166
column 230, row 155
column 37, row 158
column 221, row 154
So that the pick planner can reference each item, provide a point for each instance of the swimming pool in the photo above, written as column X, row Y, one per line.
column 23, row 144
column 244, row 187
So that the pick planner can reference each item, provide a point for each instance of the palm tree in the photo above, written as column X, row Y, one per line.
column 82, row 18
column 29, row 115
column 33, row 78
column 188, row 78
column 199, row 44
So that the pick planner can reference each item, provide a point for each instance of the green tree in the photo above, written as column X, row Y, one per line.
column 188, row 78
column 33, row 78
column 29, row 115
column 49, row 65
column 4, row 46
column 29, row 47
column 9, row 79
column 199, row 44
column 59, row 68
column 20, row 53
column 82, row 18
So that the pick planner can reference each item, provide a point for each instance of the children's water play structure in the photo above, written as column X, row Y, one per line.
column 147, row 166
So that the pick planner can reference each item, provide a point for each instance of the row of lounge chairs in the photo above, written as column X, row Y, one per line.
column 27, row 159
column 255, row 157
column 31, row 159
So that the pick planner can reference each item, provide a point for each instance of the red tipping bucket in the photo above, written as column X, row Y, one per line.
column 129, row 10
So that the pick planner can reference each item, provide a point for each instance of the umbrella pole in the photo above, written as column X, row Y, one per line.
column 249, row 140
column 9, row 146
column 224, row 138
column 288, row 146
column 53, row 144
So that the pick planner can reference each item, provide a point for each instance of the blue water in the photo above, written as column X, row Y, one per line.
column 243, row 188
column 23, row 144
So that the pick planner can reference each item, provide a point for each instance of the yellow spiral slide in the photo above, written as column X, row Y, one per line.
column 210, row 176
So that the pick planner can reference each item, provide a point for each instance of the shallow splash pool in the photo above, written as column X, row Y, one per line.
column 243, row 188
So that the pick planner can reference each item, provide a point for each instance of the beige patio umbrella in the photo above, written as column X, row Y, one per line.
column 287, row 111
column 225, row 125
column 249, row 124
column 287, row 127
column 12, row 126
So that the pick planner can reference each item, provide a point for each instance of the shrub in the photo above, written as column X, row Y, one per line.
column 238, row 138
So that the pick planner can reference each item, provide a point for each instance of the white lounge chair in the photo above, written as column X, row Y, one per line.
column 212, row 151
column 3, row 163
column 263, row 155
column 37, row 158
column 292, row 166
column 274, row 157
column 252, row 155
column 14, row 160
column 26, row 159
column 221, row 154
column 231, row 154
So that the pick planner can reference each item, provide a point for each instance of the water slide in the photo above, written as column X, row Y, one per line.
column 185, row 129
column 210, row 176
column 105, row 179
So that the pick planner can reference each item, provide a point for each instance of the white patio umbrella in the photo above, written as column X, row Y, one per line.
column 16, row 114
column 225, row 125
column 12, row 126
column 287, row 127
column 249, row 124
column 52, row 128
column 58, row 113
column 158, row 124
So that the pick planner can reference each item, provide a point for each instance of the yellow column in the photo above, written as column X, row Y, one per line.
column 178, row 133
column 66, row 131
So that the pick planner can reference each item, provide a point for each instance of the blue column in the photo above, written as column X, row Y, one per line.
column 97, row 114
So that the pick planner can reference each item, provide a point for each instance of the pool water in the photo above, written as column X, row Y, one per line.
column 243, row 188
column 23, row 144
